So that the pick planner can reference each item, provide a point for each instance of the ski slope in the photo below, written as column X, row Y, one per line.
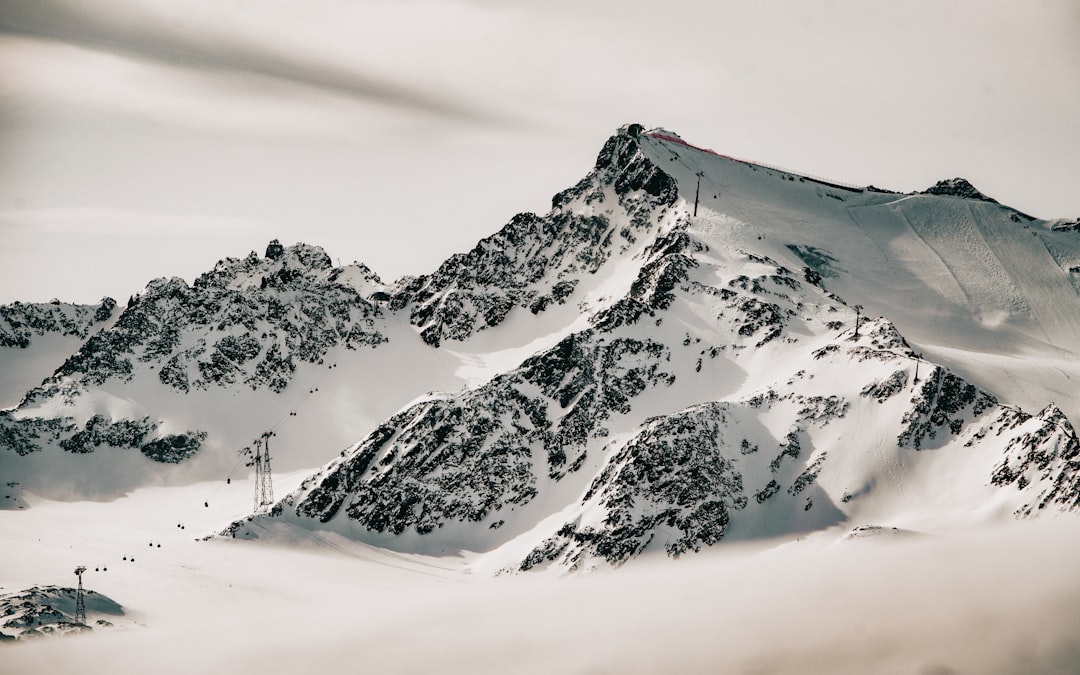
column 967, row 282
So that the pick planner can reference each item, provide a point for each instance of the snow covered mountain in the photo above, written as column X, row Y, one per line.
column 713, row 385
column 35, row 338
column 50, row 611
column 192, row 374
column 286, row 343
column 630, row 372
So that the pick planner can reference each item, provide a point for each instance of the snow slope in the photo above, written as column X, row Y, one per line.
column 974, row 284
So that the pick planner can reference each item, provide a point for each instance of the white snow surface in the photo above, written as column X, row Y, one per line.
column 966, row 284
column 998, row 601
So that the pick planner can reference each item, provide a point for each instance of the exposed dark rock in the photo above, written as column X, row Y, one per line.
column 882, row 390
column 1047, row 458
column 957, row 187
column 20, row 322
column 174, row 448
column 536, row 261
column 99, row 431
column 942, row 405
column 673, row 475
column 462, row 458
column 241, row 322
column 274, row 250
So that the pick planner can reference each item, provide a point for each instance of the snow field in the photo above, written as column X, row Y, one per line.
column 1000, row 600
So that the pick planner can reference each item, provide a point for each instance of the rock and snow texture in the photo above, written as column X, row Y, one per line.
column 614, row 378
column 191, row 374
column 958, row 187
column 50, row 610
column 535, row 262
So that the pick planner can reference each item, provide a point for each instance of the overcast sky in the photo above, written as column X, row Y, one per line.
column 144, row 138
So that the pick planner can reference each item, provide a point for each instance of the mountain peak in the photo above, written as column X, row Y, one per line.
column 307, row 255
column 312, row 257
column 537, row 262
column 958, row 187
column 274, row 250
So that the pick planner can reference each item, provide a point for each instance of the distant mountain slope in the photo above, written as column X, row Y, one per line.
column 184, row 368
column 35, row 338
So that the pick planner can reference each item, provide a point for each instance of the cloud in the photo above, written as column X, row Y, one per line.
column 220, row 41
column 999, row 601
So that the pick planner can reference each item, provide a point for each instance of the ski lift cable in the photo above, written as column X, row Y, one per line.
column 291, row 412
column 313, row 386
column 187, row 514
column 442, row 362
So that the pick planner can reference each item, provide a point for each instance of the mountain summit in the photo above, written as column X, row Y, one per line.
column 688, row 348
column 958, row 187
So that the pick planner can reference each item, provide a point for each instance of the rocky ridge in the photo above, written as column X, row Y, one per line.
column 957, row 187
column 247, row 320
column 247, row 323
column 538, row 261
column 20, row 322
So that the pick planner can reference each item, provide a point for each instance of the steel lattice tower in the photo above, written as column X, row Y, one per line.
column 264, row 484
column 697, row 192
column 80, row 605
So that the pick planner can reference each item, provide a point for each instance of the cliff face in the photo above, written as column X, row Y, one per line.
column 538, row 261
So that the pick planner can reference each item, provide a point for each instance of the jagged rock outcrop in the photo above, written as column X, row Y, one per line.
column 957, row 187
column 20, row 322
column 248, row 322
column 674, row 476
column 465, row 457
column 50, row 610
column 1044, row 456
column 537, row 261
column 943, row 404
